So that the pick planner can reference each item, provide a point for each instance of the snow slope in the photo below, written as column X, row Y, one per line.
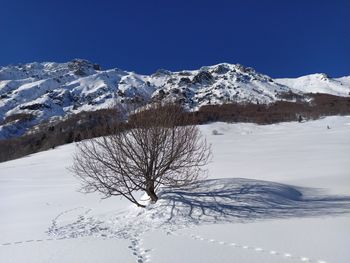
column 275, row 193
column 318, row 83
column 50, row 90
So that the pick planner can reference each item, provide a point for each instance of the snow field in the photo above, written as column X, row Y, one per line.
column 274, row 193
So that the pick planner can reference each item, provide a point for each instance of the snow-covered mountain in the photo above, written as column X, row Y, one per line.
column 319, row 83
column 36, row 92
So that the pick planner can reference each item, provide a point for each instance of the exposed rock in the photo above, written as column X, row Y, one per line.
column 185, row 82
column 35, row 106
column 81, row 67
column 161, row 72
column 222, row 69
column 97, row 67
column 203, row 77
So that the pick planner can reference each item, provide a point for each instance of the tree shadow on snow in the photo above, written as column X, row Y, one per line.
column 205, row 202
column 236, row 199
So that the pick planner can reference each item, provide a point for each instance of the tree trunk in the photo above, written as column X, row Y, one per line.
column 151, row 193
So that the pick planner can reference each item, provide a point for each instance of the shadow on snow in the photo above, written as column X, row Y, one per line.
column 205, row 202
column 236, row 199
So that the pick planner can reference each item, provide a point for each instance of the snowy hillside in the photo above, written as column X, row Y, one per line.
column 274, row 193
column 35, row 92
column 319, row 83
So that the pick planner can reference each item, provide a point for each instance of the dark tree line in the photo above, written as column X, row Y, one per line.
column 92, row 124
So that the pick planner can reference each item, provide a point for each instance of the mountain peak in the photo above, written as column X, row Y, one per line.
column 51, row 90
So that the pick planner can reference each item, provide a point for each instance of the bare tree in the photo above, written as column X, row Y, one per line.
column 153, row 148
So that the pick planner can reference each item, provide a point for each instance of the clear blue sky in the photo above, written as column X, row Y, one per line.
column 281, row 38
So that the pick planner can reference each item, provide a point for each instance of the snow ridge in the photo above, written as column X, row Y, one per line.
column 51, row 90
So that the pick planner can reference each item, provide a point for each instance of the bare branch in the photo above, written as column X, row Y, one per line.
column 153, row 148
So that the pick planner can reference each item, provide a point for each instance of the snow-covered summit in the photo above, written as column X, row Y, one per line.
column 43, row 70
column 48, row 89
column 319, row 83
column 215, row 85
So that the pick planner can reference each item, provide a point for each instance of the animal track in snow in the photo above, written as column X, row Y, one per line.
column 142, row 255
column 121, row 225
column 255, row 249
column 31, row 241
